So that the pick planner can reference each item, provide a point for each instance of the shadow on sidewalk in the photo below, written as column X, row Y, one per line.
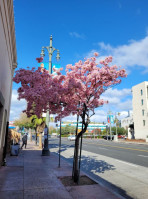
column 91, row 166
column 31, row 170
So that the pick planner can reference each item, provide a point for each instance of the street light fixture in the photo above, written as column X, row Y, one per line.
column 42, row 52
column 58, row 55
column 50, row 50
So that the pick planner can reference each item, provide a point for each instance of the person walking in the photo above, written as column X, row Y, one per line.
column 24, row 140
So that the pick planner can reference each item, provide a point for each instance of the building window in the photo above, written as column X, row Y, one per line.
column 143, row 112
column 143, row 122
column 142, row 102
column 141, row 92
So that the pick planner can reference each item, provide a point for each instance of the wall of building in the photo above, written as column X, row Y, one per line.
column 140, row 110
column 90, row 127
column 7, row 64
column 125, row 122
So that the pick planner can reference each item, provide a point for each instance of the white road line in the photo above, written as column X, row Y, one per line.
column 143, row 156
column 103, row 148
column 127, row 163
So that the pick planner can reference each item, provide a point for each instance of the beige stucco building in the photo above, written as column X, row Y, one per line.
column 140, row 110
column 7, row 65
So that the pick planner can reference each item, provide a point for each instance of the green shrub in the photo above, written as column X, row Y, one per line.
column 65, row 135
column 100, row 136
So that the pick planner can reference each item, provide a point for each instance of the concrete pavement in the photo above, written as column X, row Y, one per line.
column 129, row 180
column 32, row 176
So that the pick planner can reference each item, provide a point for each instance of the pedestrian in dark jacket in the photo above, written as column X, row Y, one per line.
column 24, row 140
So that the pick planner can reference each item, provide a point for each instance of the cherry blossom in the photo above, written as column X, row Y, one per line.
column 78, row 92
column 82, row 85
column 39, row 60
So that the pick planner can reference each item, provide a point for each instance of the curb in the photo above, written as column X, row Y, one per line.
column 98, row 182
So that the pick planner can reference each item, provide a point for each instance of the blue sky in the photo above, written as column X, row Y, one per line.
column 118, row 28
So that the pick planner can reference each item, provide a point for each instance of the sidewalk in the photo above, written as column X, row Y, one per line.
column 132, row 142
column 32, row 176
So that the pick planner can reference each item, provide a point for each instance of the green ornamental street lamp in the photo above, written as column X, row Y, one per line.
column 50, row 49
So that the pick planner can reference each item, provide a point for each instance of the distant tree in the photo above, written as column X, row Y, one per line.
column 67, row 130
column 52, row 130
column 23, row 121
column 120, row 131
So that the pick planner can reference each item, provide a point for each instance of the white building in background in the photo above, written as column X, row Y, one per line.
column 140, row 110
column 125, row 122
column 90, row 127
column 7, row 66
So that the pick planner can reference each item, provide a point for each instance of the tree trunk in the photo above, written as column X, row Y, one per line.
column 36, row 138
column 76, row 163
column 76, row 132
column 76, row 155
column 30, row 133
column 40, row 140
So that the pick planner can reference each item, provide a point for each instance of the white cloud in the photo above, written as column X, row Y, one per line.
column 115, row 96
column 133, row 54
column 100, row 115
column 118, row 93
column 127, row 105
column 119, row 101
column 123, row 113
column 71, row 118
column 17, row 106
column 77, row 35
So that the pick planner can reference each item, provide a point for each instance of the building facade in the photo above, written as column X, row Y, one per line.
column 125, row 122
column 8, row 60
column 90, row 128
column 140, row 110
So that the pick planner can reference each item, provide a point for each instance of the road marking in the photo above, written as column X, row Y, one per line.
column 103, row 148
column 143, row 156
column 120, row 147
column 126, row 163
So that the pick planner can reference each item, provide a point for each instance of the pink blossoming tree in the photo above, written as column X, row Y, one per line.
column 77, row 92
column 87, row 81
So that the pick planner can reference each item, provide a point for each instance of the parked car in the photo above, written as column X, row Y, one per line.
column 108, row 137
column 71, row 138
column 121, row 136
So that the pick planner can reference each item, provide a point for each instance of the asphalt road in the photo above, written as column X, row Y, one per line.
column 131, row 153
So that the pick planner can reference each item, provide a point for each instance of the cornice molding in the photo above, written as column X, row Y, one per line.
column 9, row 25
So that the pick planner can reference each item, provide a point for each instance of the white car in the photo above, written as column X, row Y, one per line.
column 72, row 138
